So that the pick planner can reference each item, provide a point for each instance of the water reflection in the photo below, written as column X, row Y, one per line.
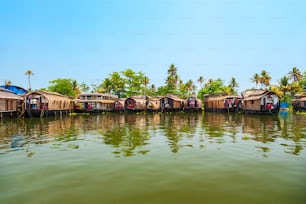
column 125, row 133
column 178, row 126
column 133, row 134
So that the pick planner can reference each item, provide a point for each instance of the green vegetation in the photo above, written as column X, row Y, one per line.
column 67, row 86
column 129, row 83
column 290, row 84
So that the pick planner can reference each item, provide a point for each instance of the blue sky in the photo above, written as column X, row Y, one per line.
column 88, row 40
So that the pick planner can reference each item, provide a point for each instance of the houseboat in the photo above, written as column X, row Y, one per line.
column 171, row 103
column 222, row 103
column 299, row 102
column 153, row 104
column 10, row 104
column 94, row 103
column 192, row 104
column 136, row 104
column 42, row 103
column 260, row 101
column 119, row 105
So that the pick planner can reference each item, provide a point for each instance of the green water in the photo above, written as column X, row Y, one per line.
column 154, row 158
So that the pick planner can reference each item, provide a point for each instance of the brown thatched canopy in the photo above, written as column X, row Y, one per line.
column 6, row 94
column 299, row 98
column 256, row 94
column 217, row 98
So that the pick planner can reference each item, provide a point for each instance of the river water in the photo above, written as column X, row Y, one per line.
column 154, row 158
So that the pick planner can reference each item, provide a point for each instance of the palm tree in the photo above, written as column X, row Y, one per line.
column 76, row 88
column 189, row 86
column 172, row 78
column 265, row 78
column 7, row 82
column 153, row 88
column 232, row 85
column 284, row 85
column 107, row 85
column 146, row 81
column 201, row 80
column 256, row 79
column 29, row 73
column 295, row 74
column 172, row 70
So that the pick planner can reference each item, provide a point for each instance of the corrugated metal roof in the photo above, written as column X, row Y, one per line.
column 15, row 89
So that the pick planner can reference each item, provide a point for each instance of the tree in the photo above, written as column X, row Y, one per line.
column 146, row 81
column 303, row 82
column 233, row 85
column 284, row 84
column 29, row 73
column 63, row 86
column 172, row 79
column 265, row 78
column 7, row 82
column 190, row 87
column 75, row 88
column 212, row 87
column 256, row 79
column 295, row 74
column 130, row 83
column 107, row 85
column 118, row 84
column 201, row 80
column 83, row 87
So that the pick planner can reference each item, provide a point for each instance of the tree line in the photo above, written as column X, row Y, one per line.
column 130, row 83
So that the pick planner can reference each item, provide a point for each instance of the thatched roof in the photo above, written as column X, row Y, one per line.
column 174, row 97
column 217, row 98
column 299, row 97
column 6, row 94
column 50, row 95
column 156, row 98
column 138, row 99
column 94, row 101
column 255, row 94
column 99, row 94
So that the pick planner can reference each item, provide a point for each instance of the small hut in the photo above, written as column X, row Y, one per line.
column 222, row 103
column 43, row 103
column 136, row 104
column 171, row 103
column 10, row 104
column 119, row 104
column 153, row 104
column 192, row 103
column 299, row 102
column 94, row 103
column 260, row 101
